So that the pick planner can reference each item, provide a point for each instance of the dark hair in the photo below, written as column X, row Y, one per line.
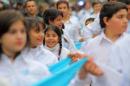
column 109, row 9
column 58, row 32
column 29, row 1
column 51, row 14
column 96, row 2
column 33, row 23
column 7, row 18
column 89, row 19
column 62, row 2
column 125, row 1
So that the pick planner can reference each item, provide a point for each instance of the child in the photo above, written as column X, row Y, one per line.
column 113, row 20
column 97, row 5
column 53, row 42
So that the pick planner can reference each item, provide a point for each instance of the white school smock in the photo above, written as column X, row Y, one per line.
column 103, row 51
column 123, row 51
column 41, row 55
column 55, row 50
column 84, row 14
column 4, row 82
column 22, row 72
column 95, row 27
column 67, row 42
column 73, row 28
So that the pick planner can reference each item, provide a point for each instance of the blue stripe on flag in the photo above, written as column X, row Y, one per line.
column 64, row 76
column 58, row 66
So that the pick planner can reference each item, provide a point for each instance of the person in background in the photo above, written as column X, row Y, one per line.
column 72, row 26
column 85, row 12
column 31, row 9
column 97, row 5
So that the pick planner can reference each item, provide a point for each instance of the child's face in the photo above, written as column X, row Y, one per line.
column 63, row 8
column 15, row 39
column 118, row 23
column 87, row 5
column 58, row 21
column 31, row 7
column 97, row 7
column 36, row 37
column 51, row 39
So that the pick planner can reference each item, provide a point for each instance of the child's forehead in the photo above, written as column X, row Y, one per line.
column 50, row 30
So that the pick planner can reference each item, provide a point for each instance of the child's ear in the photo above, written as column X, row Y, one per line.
column 105, row 20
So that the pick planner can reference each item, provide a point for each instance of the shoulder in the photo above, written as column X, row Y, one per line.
column 91, row 44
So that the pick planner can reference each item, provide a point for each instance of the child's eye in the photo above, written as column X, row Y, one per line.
column 12, row 31
column 120, row 16
column 37, row 30
column 47, row 35
column 23, row 31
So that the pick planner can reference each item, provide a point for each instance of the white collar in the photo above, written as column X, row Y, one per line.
column 5, row 59
column 104, row 38
column 55, row 48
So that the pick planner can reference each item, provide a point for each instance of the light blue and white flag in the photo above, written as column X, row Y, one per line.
column 64, row 75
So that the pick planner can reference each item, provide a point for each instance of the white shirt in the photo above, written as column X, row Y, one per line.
column 104, row 52
column 4, row 82
column 84, row 14
column 73, row 28
column 123, row 51
column 67, row 42
column 95, row 27
column 55, row 51
column 22, row 72
column 41, row 55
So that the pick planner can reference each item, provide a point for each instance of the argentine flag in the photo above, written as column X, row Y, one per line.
column 62, row 73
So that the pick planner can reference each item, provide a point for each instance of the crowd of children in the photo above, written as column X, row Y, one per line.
column 31, row 41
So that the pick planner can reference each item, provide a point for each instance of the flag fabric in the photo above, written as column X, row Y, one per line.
column 58, row 66
column 78, row 44
column 64, row 75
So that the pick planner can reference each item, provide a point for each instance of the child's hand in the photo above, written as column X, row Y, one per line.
column 82, row 39
column 91, row 67
column 76, row 56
